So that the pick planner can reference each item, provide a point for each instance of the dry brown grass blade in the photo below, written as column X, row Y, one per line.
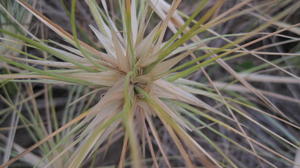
column 17, row 127
column 19, row 76
column 163, row 114
column 243, row 89
column 162, row 8
column 123, row 153
column 30, row 157
column 256, row 142
column 231, row 10
column 158, row 141
column 58, row 156
column 70, row 123
column 112, row 139
column 180, row 147
column 150, row 145
column 267, row 130
column 238, row 123
column 268, row 78
column 49, row 63
column 243, row 81
column 255, row 52
column 85, row 96
column 164, row 24
column 39, row 93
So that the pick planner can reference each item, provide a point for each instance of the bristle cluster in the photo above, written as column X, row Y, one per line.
column 141, row 72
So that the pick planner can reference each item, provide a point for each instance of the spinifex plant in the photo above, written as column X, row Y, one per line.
column 140, row 67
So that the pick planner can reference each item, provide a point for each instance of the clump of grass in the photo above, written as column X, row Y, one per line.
column 143, row 75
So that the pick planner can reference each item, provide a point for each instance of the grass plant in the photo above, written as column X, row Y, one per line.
column 145, row 88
